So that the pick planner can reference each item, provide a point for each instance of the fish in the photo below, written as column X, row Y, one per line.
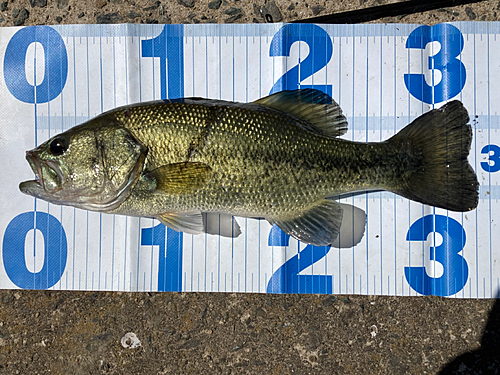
column 280, row 158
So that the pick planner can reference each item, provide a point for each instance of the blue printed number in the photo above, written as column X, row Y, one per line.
column 493, row 163
column 287, row 279
column 170, row 257
column 455, row 266
column 168, row 46
column 446, row 61
column 56, row 64
column 320, row 53
column 55, row 250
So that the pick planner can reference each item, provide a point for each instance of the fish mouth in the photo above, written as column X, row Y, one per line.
column 48, row 176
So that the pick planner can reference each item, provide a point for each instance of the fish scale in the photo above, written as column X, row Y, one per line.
column 258, row 159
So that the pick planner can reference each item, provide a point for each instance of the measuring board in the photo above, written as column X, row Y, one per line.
column 383, row 77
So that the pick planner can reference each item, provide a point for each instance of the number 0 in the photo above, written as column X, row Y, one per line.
column 55, row 247
column 56, row 64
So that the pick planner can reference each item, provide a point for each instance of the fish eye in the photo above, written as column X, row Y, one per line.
column 58, row 146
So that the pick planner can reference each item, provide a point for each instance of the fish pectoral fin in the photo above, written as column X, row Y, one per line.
column 314, row 106
column 190, row 222
column 180, row 178
column 319, row 225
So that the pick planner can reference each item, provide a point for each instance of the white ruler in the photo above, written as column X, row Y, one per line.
column 383, row 76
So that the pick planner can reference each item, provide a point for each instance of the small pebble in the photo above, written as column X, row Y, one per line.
column 260, row 312
column 256, row 10
column 38, row 3
column 329, row 301
column 109, row 18
column 22, row 16
column 271, row 13
column 3, row 6
column 470, row 13
column 214, row 4
column 152, row 7
column 81, row 15
column 190, row 344
column 187, row 3
column 61, row 4
column 132, row 14
column 232, row 11
column 59, row 19
column 233, row 18
column 164, row 20
column 317, row 9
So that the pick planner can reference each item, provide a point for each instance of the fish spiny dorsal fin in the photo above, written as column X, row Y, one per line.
column 311, row 105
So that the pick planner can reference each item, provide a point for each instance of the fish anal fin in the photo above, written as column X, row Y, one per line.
column 180, row 178
column 318, row 225
column 190, row 222
column 313, row 106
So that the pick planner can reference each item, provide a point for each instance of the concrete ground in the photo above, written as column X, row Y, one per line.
column 62, row 332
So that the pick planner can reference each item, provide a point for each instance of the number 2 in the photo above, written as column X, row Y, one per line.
column 287, row 279
column 320, row 53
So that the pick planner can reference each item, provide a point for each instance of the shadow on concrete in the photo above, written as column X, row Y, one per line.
column 486, row 359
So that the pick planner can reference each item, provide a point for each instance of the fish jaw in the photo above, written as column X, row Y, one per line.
column 48, row 177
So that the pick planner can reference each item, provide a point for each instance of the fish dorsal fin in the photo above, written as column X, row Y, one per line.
column 190, row 222
column 318, row 225
column 311, row 105
column 180, row 178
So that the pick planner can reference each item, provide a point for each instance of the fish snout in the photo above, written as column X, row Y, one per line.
column 48, row 174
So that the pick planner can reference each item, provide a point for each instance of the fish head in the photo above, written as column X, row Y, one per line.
column 92, row 166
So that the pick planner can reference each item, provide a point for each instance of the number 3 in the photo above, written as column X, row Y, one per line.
column 493, row 163
column 455, row 266
column 446, row 61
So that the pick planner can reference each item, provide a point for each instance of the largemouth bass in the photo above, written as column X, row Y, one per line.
column 277, row 158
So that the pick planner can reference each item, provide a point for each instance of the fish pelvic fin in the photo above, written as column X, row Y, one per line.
column 318, row 225
column 322, row 115
column 190, row 222
column 441, row 139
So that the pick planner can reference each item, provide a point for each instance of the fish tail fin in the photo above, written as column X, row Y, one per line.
column 441, row 141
